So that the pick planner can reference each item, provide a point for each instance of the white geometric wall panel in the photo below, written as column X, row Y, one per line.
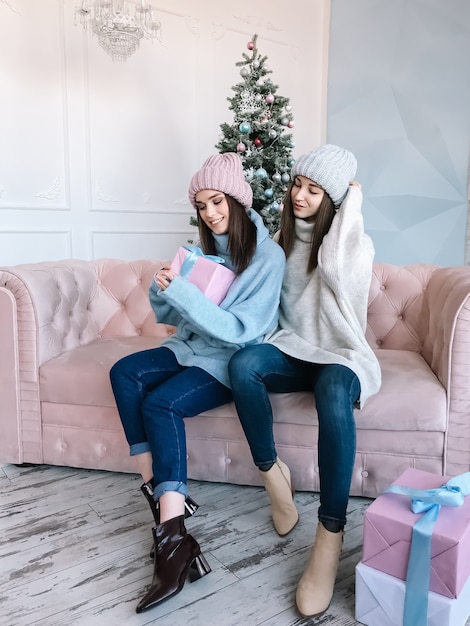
column 399, row 97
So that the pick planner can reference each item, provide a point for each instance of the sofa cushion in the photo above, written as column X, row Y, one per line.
column 81, row 376
column 411, row 397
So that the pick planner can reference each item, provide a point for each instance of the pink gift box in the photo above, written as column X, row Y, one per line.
column 212, row 278
column 388, row 526
column 380, row 599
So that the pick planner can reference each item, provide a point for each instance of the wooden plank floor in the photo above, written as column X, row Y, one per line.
column 74, row 550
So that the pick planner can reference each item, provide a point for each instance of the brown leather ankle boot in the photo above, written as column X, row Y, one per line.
column 190, row 506
column 176, row 553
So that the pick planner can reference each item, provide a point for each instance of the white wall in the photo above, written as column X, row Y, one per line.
column 95, row 157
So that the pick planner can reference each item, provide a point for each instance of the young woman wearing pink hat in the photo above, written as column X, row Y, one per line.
column 155, row 390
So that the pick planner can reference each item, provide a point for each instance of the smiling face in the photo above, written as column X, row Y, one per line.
column 214, row 210
column 306, row 197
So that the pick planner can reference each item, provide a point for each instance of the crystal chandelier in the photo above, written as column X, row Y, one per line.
column 119, row 24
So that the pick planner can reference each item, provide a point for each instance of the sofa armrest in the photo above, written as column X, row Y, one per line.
column 44, row 311
column 20, row 427
column 446, row 348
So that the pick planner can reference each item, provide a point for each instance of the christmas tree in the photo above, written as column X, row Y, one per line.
column 259, row 135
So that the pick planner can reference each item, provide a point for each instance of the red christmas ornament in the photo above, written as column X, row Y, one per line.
column 250, row 45
column 257, row 142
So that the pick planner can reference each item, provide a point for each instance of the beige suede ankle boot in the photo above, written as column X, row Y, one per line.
column 277, row 482
column 315, row 589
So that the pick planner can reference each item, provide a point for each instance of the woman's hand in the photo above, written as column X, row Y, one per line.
column 164, row 276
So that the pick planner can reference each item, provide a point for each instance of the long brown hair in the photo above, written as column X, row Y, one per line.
column 323, row 218
column 242, row 236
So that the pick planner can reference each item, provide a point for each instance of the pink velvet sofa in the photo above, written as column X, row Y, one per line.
column 63, row 325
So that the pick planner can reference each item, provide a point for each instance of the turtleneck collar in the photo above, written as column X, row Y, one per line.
column 221, row 243
column 304, row 230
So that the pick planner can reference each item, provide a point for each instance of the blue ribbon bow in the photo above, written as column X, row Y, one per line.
column 194, row 252
column 429, row 502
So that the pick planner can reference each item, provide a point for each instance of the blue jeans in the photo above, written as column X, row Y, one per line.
column 154, row 394
column 255, row 370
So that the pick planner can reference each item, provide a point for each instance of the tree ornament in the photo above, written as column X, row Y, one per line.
column 273, row 133
column 261, row 173
column 241, row 147
column 285, row 121
column 245, row 128
column 258, row 97
column 269, row 193
column 258, row 142
column 291, row 124
column 255, row 64
column 250, row 45
column 285, row 177
column 288, row 108
column 248, row 103
column 249, row 174
column 269, row 98
column 290, row 162
column 277, row 177
column 244, row 72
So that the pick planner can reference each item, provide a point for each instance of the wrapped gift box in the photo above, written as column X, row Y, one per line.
column 380, row 600
column 388, row 526
column 211, row 277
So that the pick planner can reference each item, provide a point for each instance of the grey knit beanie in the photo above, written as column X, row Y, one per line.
column 331, row 167
column 222, row 172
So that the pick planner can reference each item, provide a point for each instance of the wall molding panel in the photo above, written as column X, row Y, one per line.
column 24, row 246
column 97, row 156
column 141, row 244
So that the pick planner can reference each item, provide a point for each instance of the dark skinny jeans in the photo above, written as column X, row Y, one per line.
column 255, row 370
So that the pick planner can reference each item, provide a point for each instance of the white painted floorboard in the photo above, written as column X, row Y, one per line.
column 74, row 550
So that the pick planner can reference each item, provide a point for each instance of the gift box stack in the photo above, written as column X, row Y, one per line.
column 416, row 575
column 206, row 272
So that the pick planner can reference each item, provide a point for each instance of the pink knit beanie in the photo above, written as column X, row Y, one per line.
column 222, row 172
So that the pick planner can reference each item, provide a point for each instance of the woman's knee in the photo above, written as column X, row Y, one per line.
column 336, row 381
column 118, row 370
column 245, row 365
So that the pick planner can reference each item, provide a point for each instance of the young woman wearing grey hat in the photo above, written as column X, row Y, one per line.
column 319, row 345
column 155, row 390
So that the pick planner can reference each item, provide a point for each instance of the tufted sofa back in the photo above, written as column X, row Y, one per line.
column 74, row 302
column 81, row 301
column 120, row 303
column 396, row 316
column 395, row 309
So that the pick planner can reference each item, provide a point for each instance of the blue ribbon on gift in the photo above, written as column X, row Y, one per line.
column 429, row 502
column 194, row 252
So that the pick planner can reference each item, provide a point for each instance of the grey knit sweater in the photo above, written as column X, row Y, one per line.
column 323, row 315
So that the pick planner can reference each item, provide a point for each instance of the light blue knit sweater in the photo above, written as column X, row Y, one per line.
column 208, row 335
